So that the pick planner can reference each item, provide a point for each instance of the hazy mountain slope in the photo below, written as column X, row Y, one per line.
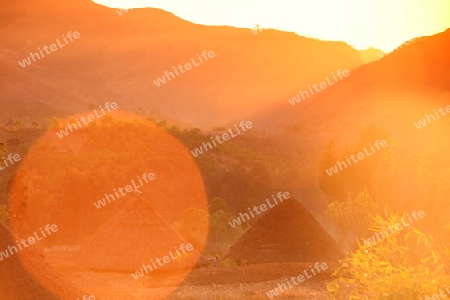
column 392, row 94
column 403, row 78
column 117, row 58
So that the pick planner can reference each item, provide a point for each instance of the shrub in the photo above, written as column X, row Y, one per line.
column 4, row 215
column 228, row 263
column 353, row 214
column 404, row 265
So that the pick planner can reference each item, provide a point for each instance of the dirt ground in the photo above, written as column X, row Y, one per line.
column 243, row 282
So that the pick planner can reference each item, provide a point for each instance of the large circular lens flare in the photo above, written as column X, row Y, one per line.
column 112, row 199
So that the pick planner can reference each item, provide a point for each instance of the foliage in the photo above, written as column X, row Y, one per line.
column 404, row 265
column 360, row 175
column 18, row 124
column 192, row 225
column 4, row 215
column 354, row 215
column 221, row 234
column 54, row 123
column 228, row 263
column 217, row 204
column 105, row 155
column 329, row 185
column 237, row 169
column 2, row 150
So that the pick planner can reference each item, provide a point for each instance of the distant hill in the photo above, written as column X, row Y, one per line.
column 393, row 95
column 117, row 58
column 411, row 75
column 371, row 54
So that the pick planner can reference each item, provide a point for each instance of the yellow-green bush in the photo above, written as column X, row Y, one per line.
column 404, row 265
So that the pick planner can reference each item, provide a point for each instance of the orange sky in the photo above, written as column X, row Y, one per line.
column 383, row 24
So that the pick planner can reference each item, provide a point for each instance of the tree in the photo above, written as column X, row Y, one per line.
column 330, row 185
column 353, row 215
column 348, row 182
column 2, row 150
column 54, row 123
column 162, row 124
column 221, row 233
column 217, row 204
column 4, row 215
column 191, row 226
column 219, row 225
column 18, row 124
column 256, row 29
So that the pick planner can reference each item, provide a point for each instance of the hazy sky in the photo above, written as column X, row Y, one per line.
column 383, row 24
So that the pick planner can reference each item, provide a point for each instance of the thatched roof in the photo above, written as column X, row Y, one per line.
column 286, row 233
column 135, row 236
column 16, row 282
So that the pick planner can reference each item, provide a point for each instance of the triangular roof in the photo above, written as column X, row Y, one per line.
column 16, row 282
column 286, row 233
column 135, row 236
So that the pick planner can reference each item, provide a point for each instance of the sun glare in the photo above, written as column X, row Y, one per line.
column 380, row 24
